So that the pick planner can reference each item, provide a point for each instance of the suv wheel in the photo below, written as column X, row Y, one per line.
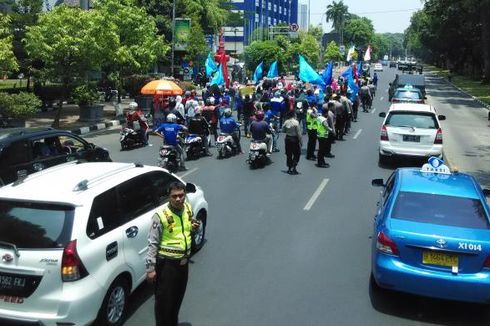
column 198, row 236
column 113, row 309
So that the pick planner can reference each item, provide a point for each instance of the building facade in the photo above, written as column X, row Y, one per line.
column 303, row 16
column 258, row 14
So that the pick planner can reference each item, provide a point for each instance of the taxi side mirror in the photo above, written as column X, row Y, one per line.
column 441, row 117
column 486, row 192
column 190, row 188
column 382, row 114
column 377, row 183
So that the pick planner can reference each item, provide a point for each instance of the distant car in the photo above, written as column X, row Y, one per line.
column 408, row 94
column 392, row 64
column 74, row 238
column 410, row 130
column 431, row 234
column 27, row 150
column 378, row 67
column 402, row 80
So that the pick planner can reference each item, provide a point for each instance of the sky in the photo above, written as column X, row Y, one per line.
column 388, row 16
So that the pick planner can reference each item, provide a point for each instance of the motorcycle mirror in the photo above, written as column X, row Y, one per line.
column 190, row 188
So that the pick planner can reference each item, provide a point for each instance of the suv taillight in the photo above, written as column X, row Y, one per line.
column 72, row 268
column 438, row 139
column 386, row 245
column 384, row 133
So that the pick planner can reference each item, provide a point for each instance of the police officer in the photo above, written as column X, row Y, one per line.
column 169, row 248
column 311, row 126
column 323, row 130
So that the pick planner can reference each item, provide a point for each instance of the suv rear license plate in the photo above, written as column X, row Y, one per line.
column 10, row 282
column 439, row 259
column 411, row 138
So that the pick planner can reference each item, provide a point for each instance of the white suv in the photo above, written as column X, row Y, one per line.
column 73, row 240
column 410, row 130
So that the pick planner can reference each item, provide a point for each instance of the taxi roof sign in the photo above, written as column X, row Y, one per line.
column 435, row 165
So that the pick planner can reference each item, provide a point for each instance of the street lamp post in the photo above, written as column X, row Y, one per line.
column 173, row 40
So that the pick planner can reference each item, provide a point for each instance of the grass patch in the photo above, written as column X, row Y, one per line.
column 471, row 86
column 11, row 83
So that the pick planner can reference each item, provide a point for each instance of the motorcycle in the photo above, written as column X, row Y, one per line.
column 226, row 146
column 257, row 155
column 194, row 146
column 130, row 138
column 169, row 158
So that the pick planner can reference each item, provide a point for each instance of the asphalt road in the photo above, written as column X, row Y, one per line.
column 295, row 250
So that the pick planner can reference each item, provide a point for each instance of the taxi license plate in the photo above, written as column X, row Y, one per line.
column 439, row 259
column 411, row 138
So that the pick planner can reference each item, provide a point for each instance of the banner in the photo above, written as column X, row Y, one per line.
column 350, row 53
column 367, row 55
column 211, row 66
column 218, row 78
column 182, row 32
column 308, row 74
column 273, row 72
column 258, row 73
column 328, row 73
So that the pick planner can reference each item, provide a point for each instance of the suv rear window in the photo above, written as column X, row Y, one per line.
column 408, row 94
column 441, row 210
column 412, row 119
column 35, row 225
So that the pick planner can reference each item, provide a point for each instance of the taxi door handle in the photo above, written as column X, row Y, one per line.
column 132, row 232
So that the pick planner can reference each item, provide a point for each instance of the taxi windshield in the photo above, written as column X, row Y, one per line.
column 440, row 209
column 412, row 119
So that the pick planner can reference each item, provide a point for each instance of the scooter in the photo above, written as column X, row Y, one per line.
column 194, row 145
column 257, row 155
column 169, row 158
column 226, row 146
column 130, row 138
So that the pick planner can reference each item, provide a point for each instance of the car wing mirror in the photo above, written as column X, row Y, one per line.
column 382, row 114
column 486, row 192
column 190, row 188
column 377, row 183
column 441, row 117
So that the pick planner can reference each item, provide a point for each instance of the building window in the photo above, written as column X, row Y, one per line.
column 275, row 8
column 256, row 3
column 269, row 20
column 256, row 17
column 269, row 5
column 275, row 21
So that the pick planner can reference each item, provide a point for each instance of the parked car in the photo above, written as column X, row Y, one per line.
column 431, row 234
column 74, row 239
column 27, row 150
column 410, row 130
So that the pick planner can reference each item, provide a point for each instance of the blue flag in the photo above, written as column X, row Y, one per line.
column 211, row 66
column 347, row 72
column 308, row 74
column 218, row 78
column 258, row 73
column 354, row 89
column 328, row 73
column 273, row 71
column 359, row 68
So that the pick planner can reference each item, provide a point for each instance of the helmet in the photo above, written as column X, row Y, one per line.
column 171, row 117
column 259, row 115
column 227, row 112
column 211, row 100
column 187, row 93
column 133, row 105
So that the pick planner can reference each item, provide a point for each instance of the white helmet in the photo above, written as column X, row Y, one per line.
column 227, row 112
column 171, row 117
column 133, row 105
column 211, row 100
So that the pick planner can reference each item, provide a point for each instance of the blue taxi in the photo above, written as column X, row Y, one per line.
column 432, row 234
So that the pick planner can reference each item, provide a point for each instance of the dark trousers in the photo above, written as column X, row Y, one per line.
column 322, row 150
column 293, row 151
column 213, row 128
column 330, row 139
column 340, row 127
column 310, row 148
column 169, row 291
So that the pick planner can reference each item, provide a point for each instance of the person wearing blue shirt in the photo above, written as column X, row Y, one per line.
column 272, row 119
column 229, row 126
column 169, row 132
column 278, row 106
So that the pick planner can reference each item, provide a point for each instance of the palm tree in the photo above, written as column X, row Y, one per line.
column 337, row 13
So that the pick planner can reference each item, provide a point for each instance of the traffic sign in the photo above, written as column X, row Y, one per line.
column 293, row 27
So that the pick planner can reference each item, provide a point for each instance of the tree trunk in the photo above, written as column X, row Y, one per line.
column 485, row 39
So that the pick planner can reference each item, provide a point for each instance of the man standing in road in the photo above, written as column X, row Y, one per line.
column 167, row 260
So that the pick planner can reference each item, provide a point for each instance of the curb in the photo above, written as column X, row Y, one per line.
column 98, row 126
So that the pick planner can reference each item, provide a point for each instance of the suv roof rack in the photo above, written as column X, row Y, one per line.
column 54, row 168
column 84, row 184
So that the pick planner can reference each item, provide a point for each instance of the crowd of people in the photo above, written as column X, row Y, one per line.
column 263, row 112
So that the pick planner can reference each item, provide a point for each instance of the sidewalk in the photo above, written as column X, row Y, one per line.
column 69, row 119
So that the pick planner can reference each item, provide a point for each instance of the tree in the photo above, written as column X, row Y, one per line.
column 8, row 62
column 261, row 51
column 359, row 31
column 337, row 13
column 332, row 53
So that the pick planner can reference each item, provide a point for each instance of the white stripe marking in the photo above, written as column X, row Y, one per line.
column 373, row 111
column 188, row 172
column 382, row 97
column 357, row 134
column 316, row 194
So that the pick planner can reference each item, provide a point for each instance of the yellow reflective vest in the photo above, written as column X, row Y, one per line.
column 310, row 120
column 176, row 233
column 321, row 130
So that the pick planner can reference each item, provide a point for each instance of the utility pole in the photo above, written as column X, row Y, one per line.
column 173, row 40
column 309, row 15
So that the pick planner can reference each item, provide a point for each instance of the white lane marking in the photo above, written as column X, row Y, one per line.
column 316, row 194
column 382, row 97
column 373, row 111
column 188, row 172
column 357, row 134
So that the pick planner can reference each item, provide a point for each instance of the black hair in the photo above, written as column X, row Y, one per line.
column 176, row 185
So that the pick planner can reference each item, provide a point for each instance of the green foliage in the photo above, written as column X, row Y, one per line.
column 196, row 45
column 19, row 106
column 8, row 62
column 258, row 51
column 310, row 49
column 85, row 95
column 359, row 31
column 50, row 93
column 134, row 83
column 332, row 53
